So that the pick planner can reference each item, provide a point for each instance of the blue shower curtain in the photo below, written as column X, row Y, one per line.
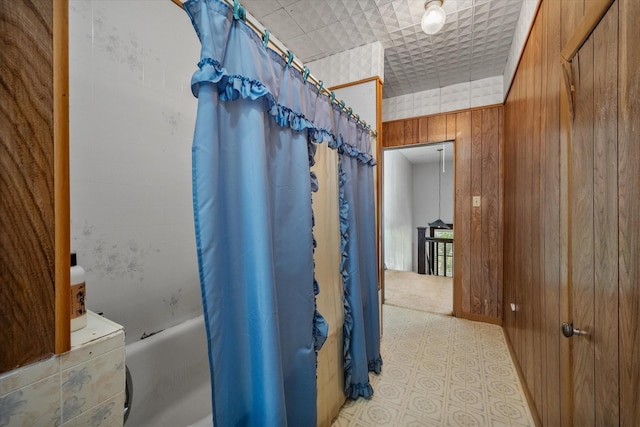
column 359, row 255
column 257, row 125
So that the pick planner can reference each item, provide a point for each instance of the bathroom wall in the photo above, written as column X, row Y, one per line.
column 131, row 124
column 398, row 211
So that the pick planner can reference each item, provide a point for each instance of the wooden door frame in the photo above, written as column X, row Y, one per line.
column 584, row 30
column 62, row 210
column 456, row 292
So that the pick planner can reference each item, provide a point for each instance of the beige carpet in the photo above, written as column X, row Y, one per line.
column 433, row 294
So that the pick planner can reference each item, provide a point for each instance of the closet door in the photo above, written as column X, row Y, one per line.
column 593, row 226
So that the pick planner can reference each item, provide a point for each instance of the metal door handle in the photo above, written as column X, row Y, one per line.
column 568, row 330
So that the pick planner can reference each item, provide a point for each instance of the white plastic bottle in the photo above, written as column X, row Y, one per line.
column 78, row 294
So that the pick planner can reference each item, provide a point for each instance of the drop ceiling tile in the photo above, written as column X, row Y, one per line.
column 456, row 5
column 482, row 9
column 303, row 47
column 389, row 17
column 311, row 15
column 375, row 21
column 282, row 25
column 405, row 13
column 260, row 8
column 475, row 42
column 344, row 9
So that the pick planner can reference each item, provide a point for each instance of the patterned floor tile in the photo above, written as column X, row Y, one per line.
column 440, row 371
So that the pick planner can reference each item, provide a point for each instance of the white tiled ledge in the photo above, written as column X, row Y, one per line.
column 461, row 96
column 84, row 386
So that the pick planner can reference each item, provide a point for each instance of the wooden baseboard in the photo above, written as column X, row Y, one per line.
column 479, row 318
column 527, row 394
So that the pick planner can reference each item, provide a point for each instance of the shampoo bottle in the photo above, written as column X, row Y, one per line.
column 78, row 293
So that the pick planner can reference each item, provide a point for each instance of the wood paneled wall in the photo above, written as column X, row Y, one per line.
column 537, row 228
column 629, row 210
column 532, row 238
column 478, row 172
column 27, row 208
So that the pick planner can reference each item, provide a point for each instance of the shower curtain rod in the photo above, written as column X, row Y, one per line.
column 279, row 47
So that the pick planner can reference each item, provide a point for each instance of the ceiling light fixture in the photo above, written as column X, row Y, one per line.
column 434, row 17
column 438, row 223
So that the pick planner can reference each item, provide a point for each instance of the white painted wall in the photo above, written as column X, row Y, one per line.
column 362, row 99
column 132, row 117
column 425, row 198
column 398, row 211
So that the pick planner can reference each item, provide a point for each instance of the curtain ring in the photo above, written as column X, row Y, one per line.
column 342, row 104
column 350, row 111
column 265, row 38
column 238, row 11
column 305, row 73
column 320, row 86
column 333, row 96
column 288, row 57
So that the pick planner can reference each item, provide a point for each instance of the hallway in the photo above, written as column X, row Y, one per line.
column 440, row 371
column 424, row 292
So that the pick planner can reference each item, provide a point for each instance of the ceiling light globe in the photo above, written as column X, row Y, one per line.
column 434, row 17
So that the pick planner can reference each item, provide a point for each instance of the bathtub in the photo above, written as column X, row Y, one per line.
column 171, row 382
column 170, row 378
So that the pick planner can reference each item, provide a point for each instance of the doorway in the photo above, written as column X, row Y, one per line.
column 418, row 210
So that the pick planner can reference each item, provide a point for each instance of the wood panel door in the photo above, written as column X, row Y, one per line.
column 593, row 393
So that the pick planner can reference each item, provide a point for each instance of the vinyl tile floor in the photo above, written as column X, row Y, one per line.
column 440, row 371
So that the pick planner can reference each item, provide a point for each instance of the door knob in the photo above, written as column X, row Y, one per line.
column 568, row 330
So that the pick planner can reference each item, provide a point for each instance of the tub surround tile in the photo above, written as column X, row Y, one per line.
column 28, row 374
column 85, row 384
column 98, row 337
column 105, row 414
column 37, row 404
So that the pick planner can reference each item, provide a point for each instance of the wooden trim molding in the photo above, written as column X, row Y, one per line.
column 566, row 386
column 62, row 231
column 523, row 380
column 379, row 183
column 368, row 79
column 584, row 30
column 567, row 73
column 461, row 314
column 594, row 15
